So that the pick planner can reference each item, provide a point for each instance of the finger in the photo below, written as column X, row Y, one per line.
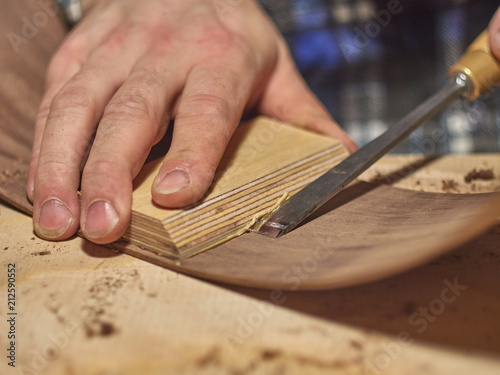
column 494, row 31
column 134, row 119
column 287, row 98
column 209, row 111
column 67, row 61
column 41, row 119
column 72, row 118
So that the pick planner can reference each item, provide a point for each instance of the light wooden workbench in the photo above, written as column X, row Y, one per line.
column 83, row 309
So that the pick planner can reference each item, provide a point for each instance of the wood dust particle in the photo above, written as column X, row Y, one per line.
column 482, row 174
column 41, row 253
column 449, row 185
column 107, row 329
column 356, row 345
column 269, row 354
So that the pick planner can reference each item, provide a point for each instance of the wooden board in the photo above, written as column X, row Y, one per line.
column 374, row 231
column 366, row 233
column 21, row 87
column 265, row 162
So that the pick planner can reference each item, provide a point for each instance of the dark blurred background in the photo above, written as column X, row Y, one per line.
column 373, row 61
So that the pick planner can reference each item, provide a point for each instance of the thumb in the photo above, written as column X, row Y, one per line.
column 494, row 31
column 286, row 97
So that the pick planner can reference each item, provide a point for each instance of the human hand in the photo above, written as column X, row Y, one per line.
column 128, row 68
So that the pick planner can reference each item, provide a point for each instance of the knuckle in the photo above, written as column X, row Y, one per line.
column 102, row 169
column 219, row 42
column 206, row 105
column 56, row 163
column 219, row 38
column 134, row 105
column 147, row 79
column 213, row 38
column 72, row 98
column 114, row 43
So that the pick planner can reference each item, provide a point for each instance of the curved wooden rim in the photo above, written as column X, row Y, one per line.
column 256, row 261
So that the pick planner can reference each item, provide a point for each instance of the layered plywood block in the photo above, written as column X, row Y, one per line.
column 265, row 162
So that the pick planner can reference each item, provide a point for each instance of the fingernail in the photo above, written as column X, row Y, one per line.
column 55, row 219
column 101, row 219
column 173, row 182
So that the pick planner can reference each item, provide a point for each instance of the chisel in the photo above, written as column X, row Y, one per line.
column 476, row 72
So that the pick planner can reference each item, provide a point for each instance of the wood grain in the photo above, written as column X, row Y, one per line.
column 21, row 87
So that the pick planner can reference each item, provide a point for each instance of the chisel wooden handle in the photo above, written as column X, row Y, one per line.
column 480, row 66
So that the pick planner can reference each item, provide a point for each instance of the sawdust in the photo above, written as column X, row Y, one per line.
column 103, row 329
column 449, row 185
column 272, row 360
column 270, row 354
column 356, row 345
column 471, row 174
column 42, row 253
column 102, row 294
column 482, row 174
